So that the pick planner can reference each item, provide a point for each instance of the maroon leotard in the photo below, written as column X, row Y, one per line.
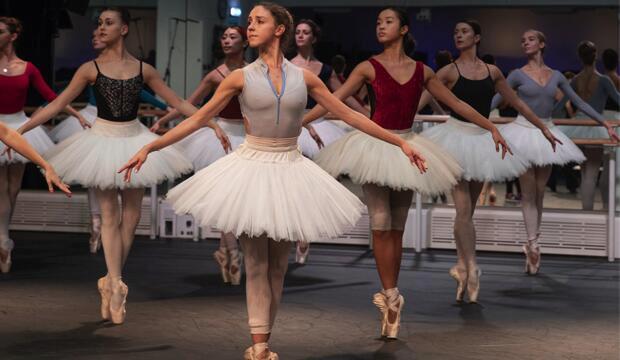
column 393, row 104
column 14, row 89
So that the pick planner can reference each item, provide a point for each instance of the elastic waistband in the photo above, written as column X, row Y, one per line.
column 117, row 128
column 403, row 131
column 271, row 144
column 522, row 121
column 18, row 116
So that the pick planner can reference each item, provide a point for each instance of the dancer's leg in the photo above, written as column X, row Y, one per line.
column 589, row 176
column 130, row 217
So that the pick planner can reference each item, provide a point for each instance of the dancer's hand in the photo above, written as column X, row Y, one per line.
column 551, row 138
column 8, row 151
column 415, row 157
column 223, row 138
column 155, row 128
column 499, row 140
column 612, row 132
column 315, row 136
column 52, row 179
column 135, row 162
column 83, row 122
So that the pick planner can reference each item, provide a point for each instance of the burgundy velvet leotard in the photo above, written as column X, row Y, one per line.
column 393, row 104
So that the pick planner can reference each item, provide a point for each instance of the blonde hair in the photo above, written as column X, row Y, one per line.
column 540, row 36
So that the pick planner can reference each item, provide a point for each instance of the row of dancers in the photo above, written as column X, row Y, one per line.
column 266, row 192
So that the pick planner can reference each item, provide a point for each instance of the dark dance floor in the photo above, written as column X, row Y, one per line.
column 179, row 309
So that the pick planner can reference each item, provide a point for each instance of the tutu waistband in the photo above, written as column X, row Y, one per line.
column 400, row 132
column 522, row 121
column 271, row 144
column 117, row 128
column 17, row 117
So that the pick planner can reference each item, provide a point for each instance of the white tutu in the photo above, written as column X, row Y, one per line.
column 37, row 137
column 474, row 149
column 267, row 186
column 369, row 160
column 328, row 132
column 531, row 144
column 93, row 157
column 611, row 115
column 71, row 125
column 203, row 147
column 584, row 132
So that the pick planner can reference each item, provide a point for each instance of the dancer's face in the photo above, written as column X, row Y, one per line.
column 304, row 37
column 530, row 43
column 97, row 43
column 6, row 37
column 464, row 36
column 111, row 27
column 389, row 28
column 262, row 28
column 232, row 42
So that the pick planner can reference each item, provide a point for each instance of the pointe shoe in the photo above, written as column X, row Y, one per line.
column 5, row 256
column 473, row 285
column 460, row 282
column 221, row 257
column 392, row 329
column 251, row 353
column 234, row 270
column 532, row 257
column 95, row 235
column 380, row 301
column 104, row 291
column 118, row 315
column 301, row 255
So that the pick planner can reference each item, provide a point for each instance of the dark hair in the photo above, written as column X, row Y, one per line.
column 13, row 24
column 610, row 59
column 488, row 59
column 339, row 63
column 316, row 29
column 240, row 30
column 123, row 14
column 587, row 52
column 403, row 18
column 281, row 17
column 474, row 25
column 443, row 58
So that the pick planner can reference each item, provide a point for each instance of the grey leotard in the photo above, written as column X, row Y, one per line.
column 605, row 90
column 268, row 114
column 541, row 99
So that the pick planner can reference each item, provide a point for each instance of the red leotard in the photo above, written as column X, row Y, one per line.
column 394, row 105
column 14, row 89
column 233, row 108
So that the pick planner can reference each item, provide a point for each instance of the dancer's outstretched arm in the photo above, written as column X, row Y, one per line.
column 322, row 95
column 12, row 139
column 230, row 86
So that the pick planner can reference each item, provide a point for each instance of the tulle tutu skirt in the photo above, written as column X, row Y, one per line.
column 37, row 138
column 267, row 187
column 531, row 144
column 71, row 125
column 93, row 157
column 584, row 132
column 369, row 160
column 327, row 130
column 474, row 149
column 203, row 147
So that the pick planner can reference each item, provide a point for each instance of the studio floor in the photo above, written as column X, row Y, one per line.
column 178, row 307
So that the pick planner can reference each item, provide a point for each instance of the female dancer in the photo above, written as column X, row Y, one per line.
column 536, row 85
column 597, row 89
column 16, row 76
column 307, row 33
column 266, row 191
column 72, row 125
column 202, row 146
column 92, row 157
column 397, row 82
column 610, row 63
column 475, row 82
column 13, row 140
